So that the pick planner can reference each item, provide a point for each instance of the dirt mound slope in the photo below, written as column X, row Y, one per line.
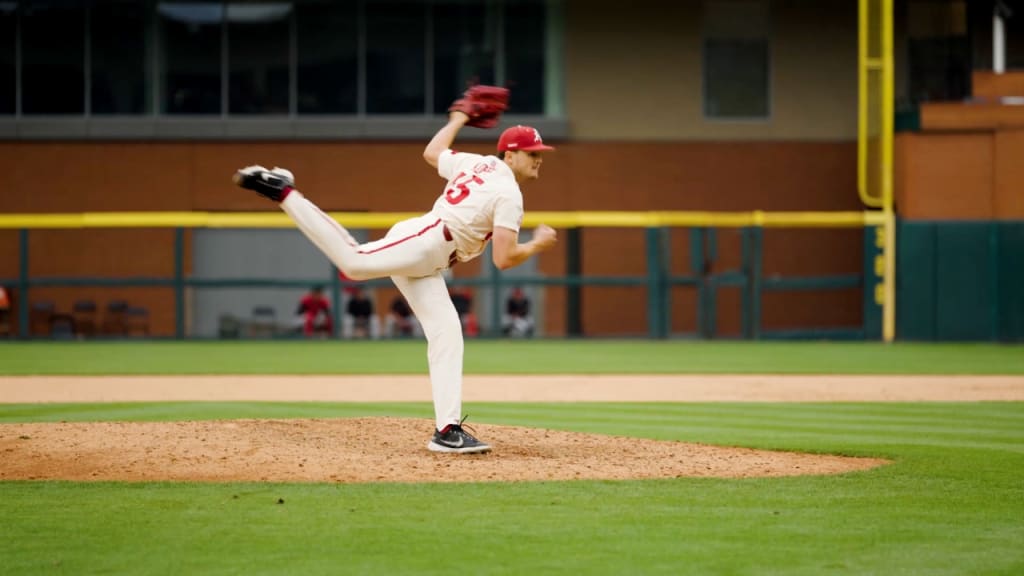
column 369, row 450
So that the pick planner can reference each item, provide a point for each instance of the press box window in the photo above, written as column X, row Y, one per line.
column 465, row 38
column 526, row 45
column 736, row 59
column 328, row 52
column 119, row 53
column 191, row 51
column 286, row 58
column 258, row 58
column 8, row 54
column 52, row 60
column 939, row 51
column 395, row 60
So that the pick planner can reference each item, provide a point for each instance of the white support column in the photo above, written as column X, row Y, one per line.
column 554, row 64
column 998, row 43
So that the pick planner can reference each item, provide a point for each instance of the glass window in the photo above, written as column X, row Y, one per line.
column 8, row 73
column 191, row 51
column 736, row 59
column 939, row 51
column 53, row 61
column 736, row 78
column 464, row 46
column 119, row 57
column 1013, row 28
column 395, row 40
column 525, row 49
column 328, row 70
column 258, row 58
column 273, row 57
column 940, row 69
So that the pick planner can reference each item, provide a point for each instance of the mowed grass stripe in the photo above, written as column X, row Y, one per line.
column 904, row 413
column 900, row 416
column 174, row 411
column 508, row 357
column 823, row 426
column 799, row 416
column 782, row 436
column 774, row 424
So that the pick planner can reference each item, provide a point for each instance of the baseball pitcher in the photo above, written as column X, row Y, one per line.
column 481, row 203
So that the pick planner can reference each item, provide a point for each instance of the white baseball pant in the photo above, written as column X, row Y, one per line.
column 413, row 254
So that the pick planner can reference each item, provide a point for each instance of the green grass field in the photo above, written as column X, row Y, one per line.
column 952, row 502
column 510, row 357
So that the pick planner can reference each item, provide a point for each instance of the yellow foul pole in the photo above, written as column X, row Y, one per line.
column 888, row 119
column 875, row 123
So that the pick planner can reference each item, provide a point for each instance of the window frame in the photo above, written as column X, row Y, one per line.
column 706, row 37
column 155, row 123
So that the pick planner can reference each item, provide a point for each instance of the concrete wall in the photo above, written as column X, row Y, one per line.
column 633, row 72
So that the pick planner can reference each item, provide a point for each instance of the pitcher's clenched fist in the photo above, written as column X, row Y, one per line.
column 545, row 236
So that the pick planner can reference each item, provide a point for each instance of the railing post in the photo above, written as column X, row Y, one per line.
column 666, row 281
column 335, row 283
column 573, row 291
column 711, row 300
column 697, row 268
column 993, row 246
column 495, row 296
column 655, row 284
column 23, row 283
column 746, row 267
column 755, row 281
column 179, row 283
column 874, row 277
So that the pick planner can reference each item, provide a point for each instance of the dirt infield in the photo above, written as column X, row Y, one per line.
column 393, row 449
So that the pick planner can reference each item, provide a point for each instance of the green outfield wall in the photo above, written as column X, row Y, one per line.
column 960, row 280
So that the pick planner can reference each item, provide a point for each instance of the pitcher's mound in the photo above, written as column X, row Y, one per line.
column 369, row 450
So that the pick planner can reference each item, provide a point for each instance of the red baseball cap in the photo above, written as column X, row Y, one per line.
column 521, row 138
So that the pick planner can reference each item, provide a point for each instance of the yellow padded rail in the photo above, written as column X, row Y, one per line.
column 382, row 220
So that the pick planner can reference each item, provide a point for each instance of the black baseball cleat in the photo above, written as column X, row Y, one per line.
column 274, row 184
column 454, row 439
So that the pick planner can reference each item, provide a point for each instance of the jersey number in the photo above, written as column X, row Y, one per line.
column 460, row 187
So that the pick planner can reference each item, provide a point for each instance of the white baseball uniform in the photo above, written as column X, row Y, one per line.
column 481, row 193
